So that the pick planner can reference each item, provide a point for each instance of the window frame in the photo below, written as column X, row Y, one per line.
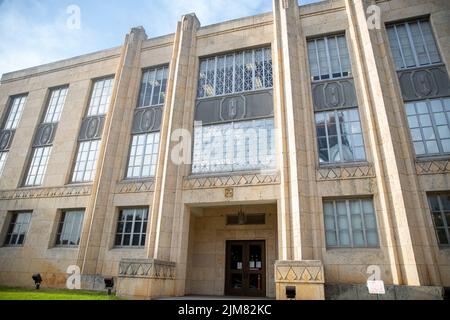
column 38, row 179
column 94, row 169
column 141, row 167
column 146, row 72
column 60, row 228
column 142, row 233
column 11, row 226
column 348, row 215
column 339, row 135
column 325, row 38
column 406, row 23
column 434, row 126
column 443, row 216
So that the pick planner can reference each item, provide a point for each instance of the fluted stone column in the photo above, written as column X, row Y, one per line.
column 409, row 250
column 294, row 118
column 169, row 224
column 89, row 257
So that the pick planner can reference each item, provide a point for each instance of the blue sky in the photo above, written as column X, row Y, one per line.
column 35, row 32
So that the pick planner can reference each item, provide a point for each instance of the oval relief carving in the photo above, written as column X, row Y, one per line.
column 92, row 127
column 148, row 119
column 4, row 139
column 46, row 134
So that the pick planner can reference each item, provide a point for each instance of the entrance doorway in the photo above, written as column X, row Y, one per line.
column 246, row 268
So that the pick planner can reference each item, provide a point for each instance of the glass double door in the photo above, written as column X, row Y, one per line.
column 246, row 268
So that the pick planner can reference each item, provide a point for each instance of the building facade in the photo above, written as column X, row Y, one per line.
column 118, row 161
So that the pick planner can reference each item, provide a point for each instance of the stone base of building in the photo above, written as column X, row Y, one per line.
column 146, row 279
column 393, row 292
column 299, row 280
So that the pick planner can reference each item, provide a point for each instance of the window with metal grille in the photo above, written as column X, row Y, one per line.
column 440, row 211
column 413, row 44
column 350, row 223
column 18, row 229
column 69, row 229
column 235, row 72
column 132, row 227
column 329, row 58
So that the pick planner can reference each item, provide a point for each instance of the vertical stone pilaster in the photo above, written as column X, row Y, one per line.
column 89, row 257
column 402, row 220
column 293, row 116
column 167, row 236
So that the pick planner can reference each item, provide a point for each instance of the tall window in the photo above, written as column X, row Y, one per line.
column 132, row 227
column 42, row 147
column 339, row 133
column 91, row 131
column 350, row 223
column 413, row 44
column 429, row 123
column 18, row 229
column 340, row 136
column 440, row 210
column 69, row 229
column 144, row 149
column 237, row 72
column 238, row 134
column 329, row 58
column 9, row 125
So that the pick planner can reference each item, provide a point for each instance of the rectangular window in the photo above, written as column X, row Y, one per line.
column 15, row 112
column 38, row 166
column 350, row 223
column 101, row 97
column 18, row 229
column 413, row 44
column 132, row 228
column 340, row 137
column 86, row 162
column 329, row 58
column 440, row 210
column 429, row 123
column 153, row 87
column 238, row 146
column 236, row 72
column 55, row 105
column 69, row 229
column 143, row 155
column 3, row 157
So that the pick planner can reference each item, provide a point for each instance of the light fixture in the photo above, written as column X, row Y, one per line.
column 241, row 216
column 37, row 280
column 109, row 284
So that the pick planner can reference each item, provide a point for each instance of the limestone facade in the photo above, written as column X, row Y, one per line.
column 185, row 246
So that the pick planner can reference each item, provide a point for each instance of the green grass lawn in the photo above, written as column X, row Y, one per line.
column 51, row 294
